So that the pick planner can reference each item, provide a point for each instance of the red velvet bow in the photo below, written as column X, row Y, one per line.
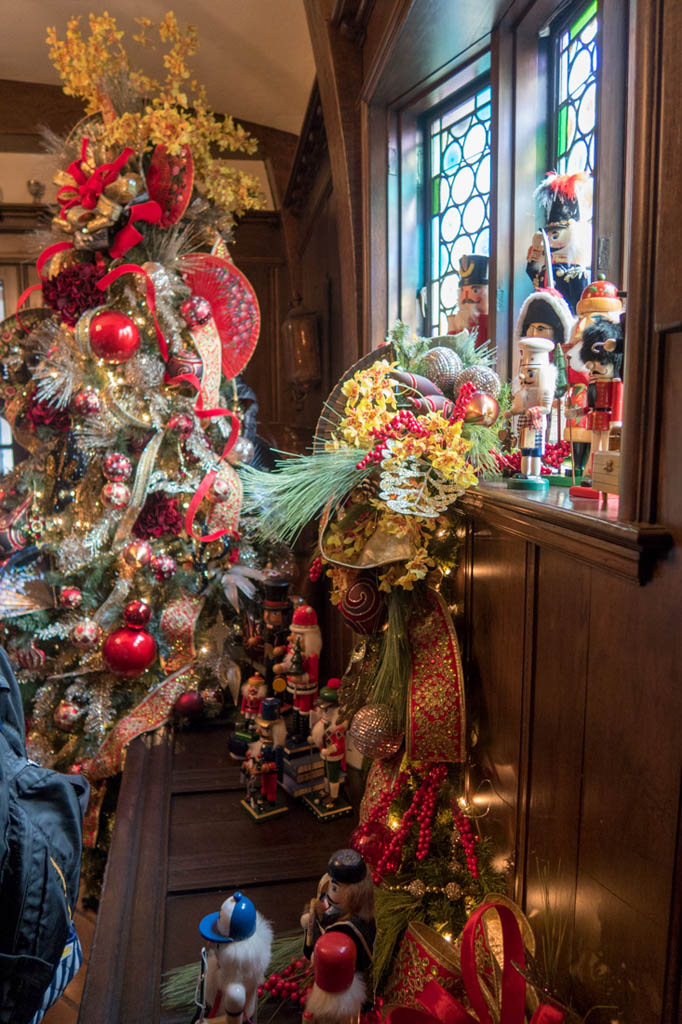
column 443, row 1008
column 128, row 237
column 89, row 188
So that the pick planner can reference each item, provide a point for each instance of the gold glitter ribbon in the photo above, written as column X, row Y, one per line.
column 91, row 819
column 435, row 704
column 178, row 623
column 139, row 493
column 225, row 513
column 208, row 344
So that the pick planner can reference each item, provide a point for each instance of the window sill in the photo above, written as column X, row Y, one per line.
column 579, row 528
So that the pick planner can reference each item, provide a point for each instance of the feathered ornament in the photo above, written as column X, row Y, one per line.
column 240, row 579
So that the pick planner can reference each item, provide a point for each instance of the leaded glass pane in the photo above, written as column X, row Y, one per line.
column 576, row 114
column 460, row 198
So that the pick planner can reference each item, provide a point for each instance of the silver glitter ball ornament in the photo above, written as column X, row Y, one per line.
column 242, row 451
column 441, row 366
column 374, row 733
column 482, row 377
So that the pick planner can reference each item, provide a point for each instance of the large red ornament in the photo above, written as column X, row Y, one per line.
column 113, row 336
column 117, row 467
column 363, row 606
column 189, row 704
column 196, row 311
column 129, row 652
column 70, row 597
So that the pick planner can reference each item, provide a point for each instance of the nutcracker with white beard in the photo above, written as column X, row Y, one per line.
column 301, row 666
column 533, row 390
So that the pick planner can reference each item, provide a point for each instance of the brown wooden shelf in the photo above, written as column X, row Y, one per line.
column 577, row 527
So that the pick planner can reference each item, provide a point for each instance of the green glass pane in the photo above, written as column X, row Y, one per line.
column 563, row 120
column 435, row 195
column 586, row 16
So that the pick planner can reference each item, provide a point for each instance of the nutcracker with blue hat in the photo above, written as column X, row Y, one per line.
column 239, row 944
column 263, row 765
column 329, row 736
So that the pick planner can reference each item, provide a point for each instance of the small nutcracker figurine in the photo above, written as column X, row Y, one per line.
column 602, row 353
column 532, row 402
column 253, row 692
column 559, row 196
column 300, row 666
column 263, row 764
column 277, row 612
column 239, row 945
column 472, row 299
column 338, row 992
column 344, row 905
column 329, row 736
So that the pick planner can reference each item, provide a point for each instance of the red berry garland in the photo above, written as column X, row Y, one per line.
column 405, row 422
column 293, row 983
column 463, row 398
column 467, row 838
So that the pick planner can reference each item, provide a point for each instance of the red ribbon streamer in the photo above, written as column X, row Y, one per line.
column 128, row 237
column 133, row 268
column 207, row 482
column 47, row 254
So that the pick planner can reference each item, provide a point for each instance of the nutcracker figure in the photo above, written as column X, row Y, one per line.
column 338, row 993
column 560, row 197
column 253, row 692
column 602, row 354
column 263, row 765
column 344, row 905
column 239, row 944
column 277, row 612
column 329, row 736
column 300, row 666
column 532, row 402
column 472, row 299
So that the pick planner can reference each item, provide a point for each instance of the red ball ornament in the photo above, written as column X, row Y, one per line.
column 363, row 606
column 137, row 554
column 66, row 715
column 196, row 311
column 372, row 843
column 181, row 423
column 115, row 495
column 87, row 403
column 189, row 704
column 181, row 364
column 163, row 566
column 117, row 467
column 70, row 597
column 137, row 614
column 129, row 652
column 30, row 657
column 86, row 634
column 113, row 336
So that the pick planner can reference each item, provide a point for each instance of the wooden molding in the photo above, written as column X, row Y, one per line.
column 18, row 217
column 312, row 147
column 629, row 550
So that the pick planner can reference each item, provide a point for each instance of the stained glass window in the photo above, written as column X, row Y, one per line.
column 459, row 198
column 576, row 91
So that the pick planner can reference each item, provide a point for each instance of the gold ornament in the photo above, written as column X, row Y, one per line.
column 374, row 733
column 482, row 408
column 482, row 377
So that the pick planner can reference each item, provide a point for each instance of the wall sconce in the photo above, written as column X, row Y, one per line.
column 36, row 189
column 300, row 351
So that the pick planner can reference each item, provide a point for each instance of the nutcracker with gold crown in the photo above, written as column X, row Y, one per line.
column 472, row 299
column 300, row 666
column 563, row 198
column 329, row 736
column 533, row 394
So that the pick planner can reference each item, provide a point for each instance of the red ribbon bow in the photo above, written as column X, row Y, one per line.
column 89, row 188
column 444, row 1008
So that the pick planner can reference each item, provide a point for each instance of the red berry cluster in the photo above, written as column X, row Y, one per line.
column 463, row 398
column 315, row 570
column 405, row 422
column 467, row 838
column 293, row 983
column 555, row 454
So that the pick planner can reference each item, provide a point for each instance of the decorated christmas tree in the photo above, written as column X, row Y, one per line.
column 122, row 551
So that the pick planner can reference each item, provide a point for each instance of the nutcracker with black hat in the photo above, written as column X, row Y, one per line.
column 563, row 198
column 263, row 765
column 300, row 666
column 533, row 394
column 472, row 298
column 338, row 992
column 239, row 943
column 277, row 612
column 329, row 736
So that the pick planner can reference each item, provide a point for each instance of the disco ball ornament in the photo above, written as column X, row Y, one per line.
column 115, row 495
column 441, row 366
column 196, row 311
column 363, row 606
column 117, row 467
column 129, row 652
column 137, row 614
column 66, row 715
column 189, row 704
column 482, row 377
column 137, row 554
column 181, row 423
column 86, row 634
column 373, row 731
column 30, row 657
column 163, row 566
column 113, row 336
column 242, row 451
column 482, row 409
column 70, row 597
column 87, row 403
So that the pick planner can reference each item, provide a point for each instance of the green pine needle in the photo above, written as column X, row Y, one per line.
column 393, row 665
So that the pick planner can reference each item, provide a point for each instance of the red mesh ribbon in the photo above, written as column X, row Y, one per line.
column 133, row 268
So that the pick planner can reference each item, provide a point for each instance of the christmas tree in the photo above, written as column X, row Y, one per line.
column 123, row 563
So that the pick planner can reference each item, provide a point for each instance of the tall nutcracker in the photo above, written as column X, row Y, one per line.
column 329, row 735
column 532, row 402
column 277, row 612
column 560, row 198
column 472, row 299
column 300, row 666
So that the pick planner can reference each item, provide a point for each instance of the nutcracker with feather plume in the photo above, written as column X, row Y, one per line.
column 563, row 198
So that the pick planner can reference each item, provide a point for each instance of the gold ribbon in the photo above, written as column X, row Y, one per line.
column 139, row 493
column 208, row 345
column 178, row 623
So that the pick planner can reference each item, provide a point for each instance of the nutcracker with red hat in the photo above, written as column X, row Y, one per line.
column 329, row 736
column 533, row 394
column 253, row 692
column 472, row 299
column 239, row 944
column 300, row 667
column 563, row 198
column 338, row 992
column 263, row 765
